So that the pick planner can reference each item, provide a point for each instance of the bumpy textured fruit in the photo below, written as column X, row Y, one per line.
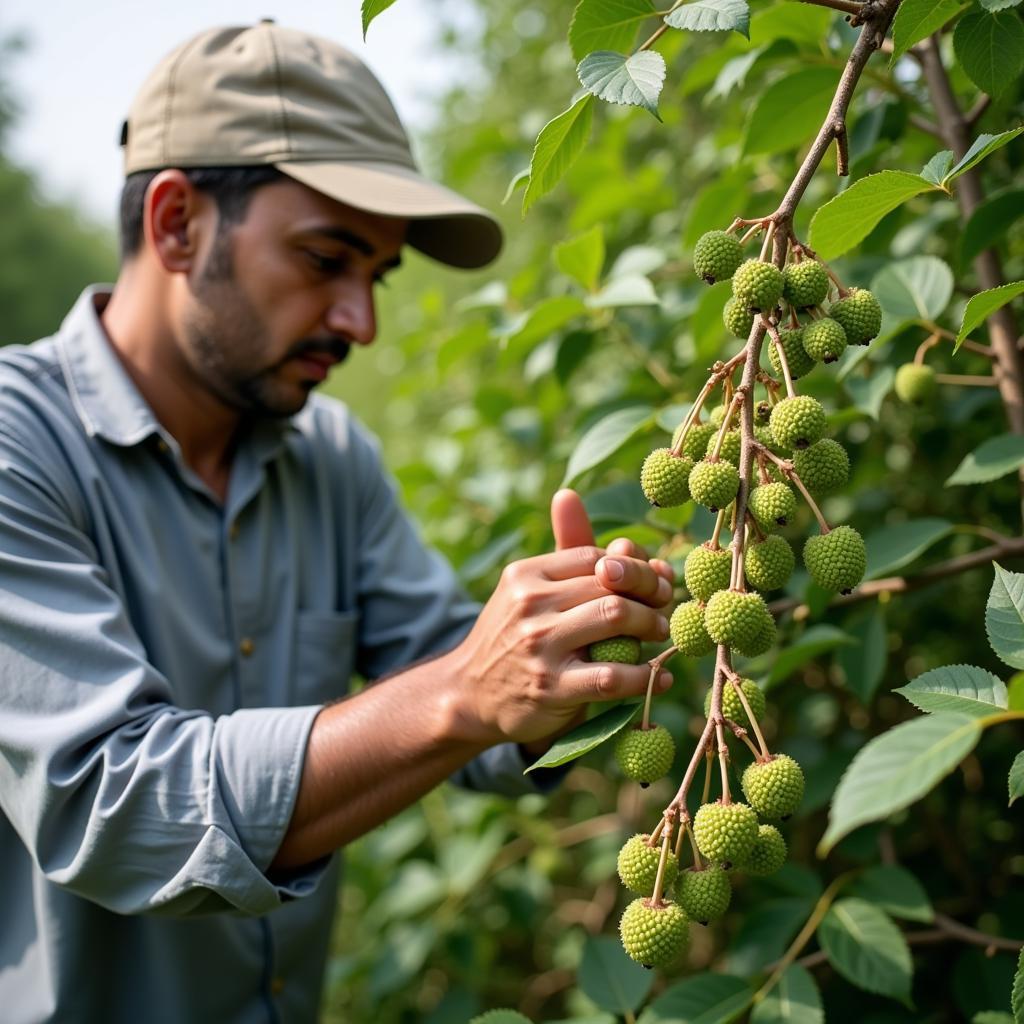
column 764, row 435
column 733, row 618
column 797, row 359
column 696, row 442
column 824, row 340
column 730, row 446
column 757, row 285
column 767, row 855
column 687, row 630
column 714, row 484
column 716, row 415
column 704, row 895
column 664, row 478
column 638, row 865
column 772, row 505
column 859, row 314
column 836, row 560
column 824, row 468
column 774, row 788
column 767, row 564
column 645, row 755
column 805, row 284
column 738, row 319
column 798, row 422
column 915, row 383
column 725, row 833
column 654, row 936
column 732, row 706
column 622, row 649
column 764, row 639
column 716, row 256
column 706, row 570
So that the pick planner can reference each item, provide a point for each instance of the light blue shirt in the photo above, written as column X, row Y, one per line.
column 162, row 658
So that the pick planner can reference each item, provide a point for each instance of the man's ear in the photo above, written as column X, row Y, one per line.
column 172, row 213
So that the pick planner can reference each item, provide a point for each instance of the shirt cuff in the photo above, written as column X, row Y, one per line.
column 501, row 770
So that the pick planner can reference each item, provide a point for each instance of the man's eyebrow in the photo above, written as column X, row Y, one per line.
column 350, row 237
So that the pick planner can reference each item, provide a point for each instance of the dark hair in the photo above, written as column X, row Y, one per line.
column 230, row 187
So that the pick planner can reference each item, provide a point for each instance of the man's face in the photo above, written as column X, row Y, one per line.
column 282, row 295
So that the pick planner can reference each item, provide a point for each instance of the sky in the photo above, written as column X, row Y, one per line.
column 85, row 62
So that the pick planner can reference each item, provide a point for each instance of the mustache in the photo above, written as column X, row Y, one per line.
column 334, row 347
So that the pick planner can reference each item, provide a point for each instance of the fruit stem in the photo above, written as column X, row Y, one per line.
column 727, row 419
column 982, row 350
column 735, row 680
column 666, row 841
column 739, row 544
column 723, row 759
column 965, row 379
column 719, row 524
column 719, row 372
column 709, row 766
column 758, row 226
column 697, row 862
column 679, row 844
column 787, row 467
column 930, row 342
column 762, row 469
column 656, row 666
column 766, row 244
column 781, row 353
column 741, row 734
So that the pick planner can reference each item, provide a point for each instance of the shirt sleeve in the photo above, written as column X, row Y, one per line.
column 118, row 795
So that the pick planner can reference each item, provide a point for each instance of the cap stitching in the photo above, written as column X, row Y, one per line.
column 285, row 131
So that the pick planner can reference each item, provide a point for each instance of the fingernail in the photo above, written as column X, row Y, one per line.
column 614, row 570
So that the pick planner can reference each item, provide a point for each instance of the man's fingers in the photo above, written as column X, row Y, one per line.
column 569, row 521
column 635, row 578
column 624, row 546
column 570, row 593
column 612, row 615
column 608, row 681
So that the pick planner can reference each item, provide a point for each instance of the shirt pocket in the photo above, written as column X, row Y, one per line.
column 325, row 651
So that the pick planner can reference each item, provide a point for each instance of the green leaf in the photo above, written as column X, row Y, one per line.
column 990, row 49
column 559, row 143
column 897, row 768
column 590, row 734
column 1004, row 617
column 1016, row 778
column 582, row 257
column 633, row 290
column 916, row 288
column 983, row 146
column 604, row 438
column 984, row 304
column 1015, row 692
column 765, row 931
column 706, row 320
column 917, row 19
column 543, row 320
column 998, row 5
column 963, row 688
column 638, row 259
column 794, row 1000
column 704, row 999
column 938, row 167
column 848, row 219
column 725, row 193
column 712, row 16
column 501, row 1017
column 610, row 979
column 1017, row 995
column 863, row 664
column 990, row 460
column 521, row 180
column 816, row 641
column 789, row 111
column 991, row 1017
column 893, row 547
column 896, row 891
column 865, row 947
column 990, row 221
column 371, row 8
column 606, row 25
column 619, row 504
column 486, row 558
column 868, row 393
column 633, row 81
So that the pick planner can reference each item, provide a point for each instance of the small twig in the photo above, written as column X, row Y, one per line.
column 842, row 149
column 965, row 380
column 781, row 353
column 697, row 862
column 656, row 666
column 741, row 734
column 735, row 680
column 924, row 125
column 973, row 116
column 846, row 6
column 930, row 342
column 666, row 842
column 787, row 467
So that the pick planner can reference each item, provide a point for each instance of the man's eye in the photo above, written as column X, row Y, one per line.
column 325, row 264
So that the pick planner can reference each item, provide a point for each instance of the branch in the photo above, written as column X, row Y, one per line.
column 846, row 6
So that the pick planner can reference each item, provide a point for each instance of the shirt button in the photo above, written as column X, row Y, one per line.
column 162, row 446
column 276, row 985
column 246, row 646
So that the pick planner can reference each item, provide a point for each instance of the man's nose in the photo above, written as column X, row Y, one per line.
column 352, row 315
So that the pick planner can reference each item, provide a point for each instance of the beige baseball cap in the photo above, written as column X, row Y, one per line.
column 266, row 94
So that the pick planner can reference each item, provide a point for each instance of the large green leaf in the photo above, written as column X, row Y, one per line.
column 1004, row 617
column 963, row 688
column 582, row 257
column 765, row 931
column 896, row 891
column 990, row 49
column 630, row 290
column 984, row 304
column 990, row 460
column 605, row 437
column 610, row 979
column 558, row 144
column 789, row 111
column 897, row 768
column 633, row 81
column 982, row 147
column 916, row 288
column 590, row 734
column 865, row 947
column 704, row 999
column 712, row 16
column 619, row 504
column 893, row 547
column 606, row 25
column 863, row 663
column 917, row 19
column 816, row 641
column 849, row 218
column 794, row 1000
column 999, row 5
column 868, row 393
column 543, row 320
column 1015, row 782
column 370, row 10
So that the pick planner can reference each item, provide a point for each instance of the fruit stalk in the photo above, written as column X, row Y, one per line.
column 656, row 667
column 787, row 467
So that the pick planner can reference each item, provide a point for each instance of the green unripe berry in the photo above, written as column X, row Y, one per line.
column 762, row 414
column 764, row 639
column 738, row 319
column 797, row 359
column 664, row 478
column 730, row 446
column 688, row 632
column 714, row 483
column 654, row 935
column 768, row 564
column 772, row 505
column 696, row 442
column 706, row 570
column 797, row 422
column 836, row 560
column 824, row 340
column 624, row 650
column 716, row 256
column 717, row 415
column 824, row 467
column 725, row 833
column 767, row 855
column 805, row 284
column 775, row 787
column 915, row 383
column 704, row 895
column 733, row 617
column 732, row 706
column 638, row 865
column 645, row 755
column 764, row 435
column 757, row 285
column 859, row 314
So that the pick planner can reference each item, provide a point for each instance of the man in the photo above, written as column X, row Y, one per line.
column 195, row 554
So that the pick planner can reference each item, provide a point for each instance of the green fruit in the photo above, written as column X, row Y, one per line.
column 767, row 564
column 688, row 632
column 859, row 315
column 764, row 435
column 664, row 478
column 638, row 865
column 714, row 483
column 797, row 359
column 716, row 256
column 654, row 935
column 767, row 855
column 706, row 570
column 762, row 414
column 622, row 649
column 738, row 319
column 764, row 639
column 836, row 560
column 772, row 505
column 757, row 285
column 797, row 422
column 725, row 833
column 717, row 415
column 805, row 284
column 704, row 895
column 730, row 446
column 915, row 383
column 824, row 340
column 733, row 618
column 774, row 788
column 732, row 706
column 645, row 755
column 696, row 442
column 823, row 468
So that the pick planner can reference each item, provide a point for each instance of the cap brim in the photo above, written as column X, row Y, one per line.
column 444, row 225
